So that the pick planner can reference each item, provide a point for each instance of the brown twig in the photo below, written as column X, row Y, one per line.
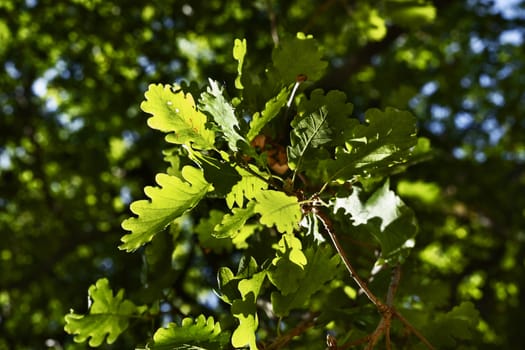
column 353, row 273
column 284, row 339
column 413, row 329
column 273, row 23
column 387, row 309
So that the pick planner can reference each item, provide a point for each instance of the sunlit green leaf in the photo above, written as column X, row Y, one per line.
column 239, row 51
column 248, row 186
column 385, row 141
column 312, row 131
column 200, row 333
column 167, row 202
column 228, row 282
column 288, row 265
column 245, row 310
column 175, row 113
column 107, row 318
column 231, row 224
column 271, row 110
column 279, row 209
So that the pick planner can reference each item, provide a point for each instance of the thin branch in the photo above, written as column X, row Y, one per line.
column 387, row 310
column 394, row 284
column 273, row 23
column 353, row 273
column 284, row 339
column 413, row 329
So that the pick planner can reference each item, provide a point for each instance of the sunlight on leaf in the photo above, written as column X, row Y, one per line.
column 108, row 316
column 199, row 333
column 372, row 149
column 167, row 202
column 310, row 132
column 239, row 51
column 288, row 265
column 271, row 110
column 298, row 55
column 175, row 113
column 248, row 187
column 279, row 209
column 232, row 224
column 245, row 310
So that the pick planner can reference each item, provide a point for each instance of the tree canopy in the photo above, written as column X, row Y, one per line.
column 262, row 174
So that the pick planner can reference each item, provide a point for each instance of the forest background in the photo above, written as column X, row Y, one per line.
column 75, row 149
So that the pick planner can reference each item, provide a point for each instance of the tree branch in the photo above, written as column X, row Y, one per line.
column 387, row 309
column 297, row 330
column 353, row 273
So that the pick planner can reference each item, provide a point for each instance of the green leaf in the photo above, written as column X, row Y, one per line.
column 386, row 217
column 279, row 209
column 239, row 240
column 458, row 324
column 169, row 201
column 228, row 283
column 288, row 265
column 231, row 225
column 320, row 126
column 200, row 333
column 245, row 310
column 310, row 132
column 108, row 316
column 338, row 112
column 205, row 232
column 217, row 172
column 298, row 55
column 247, row 187
column 271, row 110
column 321, row 267
column 375, row 148
column 175, row 113
column 239, row 51
column 213, row 102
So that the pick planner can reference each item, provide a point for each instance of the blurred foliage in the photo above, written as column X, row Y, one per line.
column 75, row 150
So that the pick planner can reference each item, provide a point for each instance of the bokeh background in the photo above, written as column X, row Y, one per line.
column 75, row 149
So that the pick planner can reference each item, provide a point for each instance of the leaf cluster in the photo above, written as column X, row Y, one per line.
column 289, row 170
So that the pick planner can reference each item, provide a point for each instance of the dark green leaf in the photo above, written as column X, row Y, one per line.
column 320, row 268
column 299, row 55
column 385, row 141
